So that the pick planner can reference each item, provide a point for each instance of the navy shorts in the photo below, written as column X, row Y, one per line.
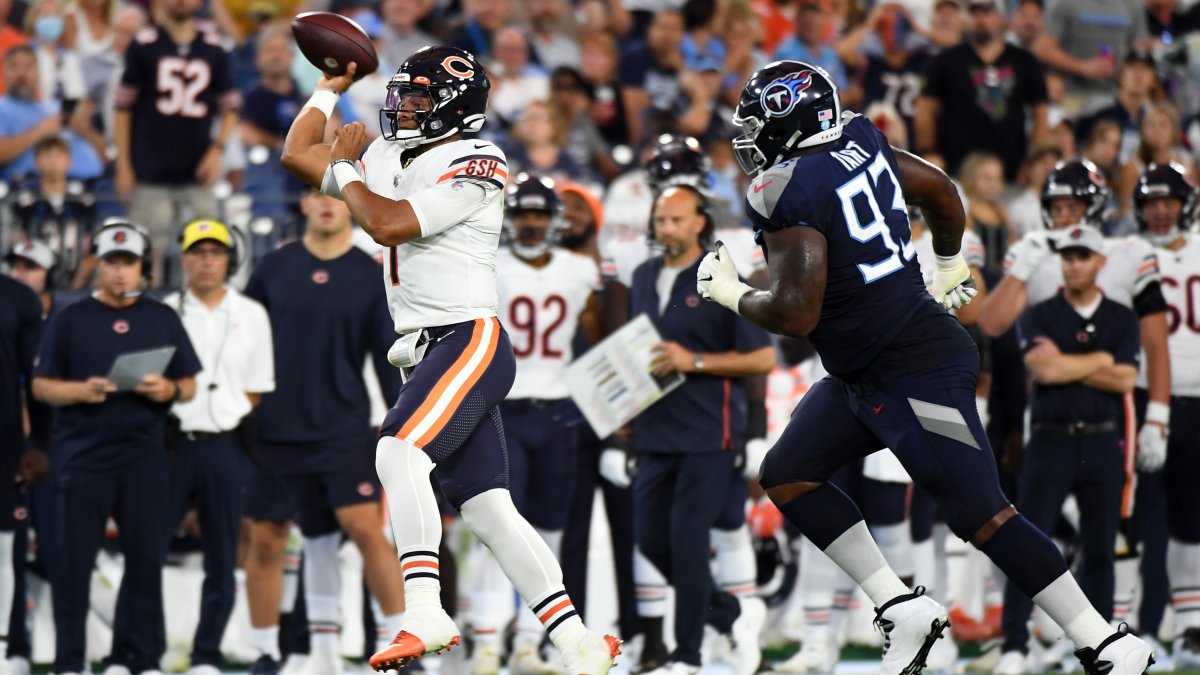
column 308, row 482
column 448, row 407
column 929, row 420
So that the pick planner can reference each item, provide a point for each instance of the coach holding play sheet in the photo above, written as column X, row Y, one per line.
column 108, row 453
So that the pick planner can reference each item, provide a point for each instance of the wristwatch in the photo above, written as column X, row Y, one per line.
column 698, row 362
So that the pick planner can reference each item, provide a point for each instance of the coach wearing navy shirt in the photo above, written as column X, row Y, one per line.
column 316, row 450
column 1082, row 350
column 687, row 442
column 108, row 450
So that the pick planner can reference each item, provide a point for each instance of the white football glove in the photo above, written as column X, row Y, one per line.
column 756, row 451
column 1024, row 257
column 953, row 285
column 717, row 279
column 1152, row 439
column 614, row 467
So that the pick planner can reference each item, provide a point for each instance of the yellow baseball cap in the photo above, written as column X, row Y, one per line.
column 205, row 229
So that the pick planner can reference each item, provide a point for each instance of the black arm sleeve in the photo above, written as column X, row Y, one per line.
column 1150, row 300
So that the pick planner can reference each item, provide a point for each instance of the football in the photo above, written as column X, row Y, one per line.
column 331, row 41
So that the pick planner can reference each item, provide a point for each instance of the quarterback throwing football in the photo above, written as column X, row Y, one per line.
column 435, row 200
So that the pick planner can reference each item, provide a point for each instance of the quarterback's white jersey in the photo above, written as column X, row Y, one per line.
column 1131, row 266
column 540, row 309
column 1181, row 288
column 972, row 253
column 448, row 275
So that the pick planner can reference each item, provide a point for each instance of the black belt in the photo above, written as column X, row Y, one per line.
column 1076, row 428
column 205, row 435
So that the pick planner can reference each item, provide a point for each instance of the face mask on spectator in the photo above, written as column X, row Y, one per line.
column 49, row 28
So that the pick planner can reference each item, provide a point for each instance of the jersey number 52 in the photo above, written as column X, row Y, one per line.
column 867, row 184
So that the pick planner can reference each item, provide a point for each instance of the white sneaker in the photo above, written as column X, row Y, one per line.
column 294, row 665
column 525, row 660
column 1187, row 650
column 943, row 656
column 485, row 661
column 746, row 654
column 323, row 663
column 1011, row 663
column 18, row 665
column 1119, row 654
column 674, row 668
column 117, row 670
column 910, row 624
column 204, row 669
column 815, row 656
column 593, row 654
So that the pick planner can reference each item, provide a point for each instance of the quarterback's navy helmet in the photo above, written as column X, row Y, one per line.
column 452, row 88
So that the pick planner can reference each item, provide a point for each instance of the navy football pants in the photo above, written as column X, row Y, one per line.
column 136, row 497
column 1093, row 469
column 677, row 500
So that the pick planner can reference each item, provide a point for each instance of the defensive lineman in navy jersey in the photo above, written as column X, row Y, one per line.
column 828, row 200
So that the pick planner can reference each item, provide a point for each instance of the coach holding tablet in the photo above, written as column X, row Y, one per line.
column 107, row 454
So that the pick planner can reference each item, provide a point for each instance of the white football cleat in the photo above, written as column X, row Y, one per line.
column 1187, row 650
column 910, row 624
column 525, row 660
column 674, row 668
column 294, row 664
column 485, row 660
column 204, row 669
column 116, row 669
column 1120, row 654
column 323, row 663
column 746, row 655
column 1011, row 663
column 816, row 657
column 943, row 656
column 428, row 631
column 592, row 654
column 18, row 665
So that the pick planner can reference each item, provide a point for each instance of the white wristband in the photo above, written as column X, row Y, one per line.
column 1158, row 412
column 344, row 174
column 324, row 100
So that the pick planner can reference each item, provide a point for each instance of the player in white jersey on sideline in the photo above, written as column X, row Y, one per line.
column 1075, row 192
column 545, row 293
column 434, row 199
column 1165, row 209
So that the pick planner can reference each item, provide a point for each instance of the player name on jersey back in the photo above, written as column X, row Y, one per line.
column 448, row 277
column 540, row 309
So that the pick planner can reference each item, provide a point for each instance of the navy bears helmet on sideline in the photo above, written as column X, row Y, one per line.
column 677, row 160
column 532, row 194
column 456, row 87
column 1159, row 181
column 1080, row 179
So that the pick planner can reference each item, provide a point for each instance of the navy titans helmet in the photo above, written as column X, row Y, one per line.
column 786, row 106
column 456, row 88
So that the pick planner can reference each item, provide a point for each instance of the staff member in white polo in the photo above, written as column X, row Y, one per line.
column 210, row 465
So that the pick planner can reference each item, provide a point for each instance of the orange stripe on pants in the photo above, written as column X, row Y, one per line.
column 466, row 387
column 436, row 393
